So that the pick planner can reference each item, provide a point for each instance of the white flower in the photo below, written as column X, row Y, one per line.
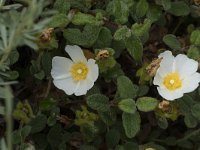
column 176, row 75
column 74, row 76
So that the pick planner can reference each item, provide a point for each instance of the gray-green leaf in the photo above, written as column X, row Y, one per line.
column 38, row 123
column 179, row 8
column 127, row 105
column 122, row 33
column 98, row 102
column 146, row 104
column 131, row 124
column 172, row 41
column 126, row 88
column 62, row 6
column 134, row 47
column 195, row 37
column 141, row 8
column 86, row 38
column 196, row 111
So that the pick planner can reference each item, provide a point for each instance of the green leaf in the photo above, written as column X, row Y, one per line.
column 47, row 104
column 108, row 117
column 146, row 104
column 14, row 56
column 179, row 8
column 127, row 105
column 195, row 37
column 12, row 75
column 143, row 90
column 165, row 3
column 54, row 136
column 112, row 138
column 142, row 8
column 196, row 111
column 59, row 20
column 126, row 88
column 86, row 38
column 16, row 138
column 119, row 9
column 104, row 39
column 94, row 90
column 40, row 75
column 62, row 6
column 46, row 63
column 25, row 131
column 38, row 123
column 143, row 75
column 162, row 122
column 82, row 19
column 89, row 132
column 106, row 64
column 131, row 124
column 122, row 33
column 21, row 134
column 190, row 121
column 154, row 13
column 193, row 52
column 114, row 72
column 172, row 41
column 98, row 102
column 134, row 47
column 141, row 29
column 185, row 104
column 55, row 111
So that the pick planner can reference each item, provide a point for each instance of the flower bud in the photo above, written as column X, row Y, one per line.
column 45, row 36
column 102, row 54
column 153, row 67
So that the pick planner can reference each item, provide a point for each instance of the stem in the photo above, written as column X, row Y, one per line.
column 8, row 117
column 48, row 89
column 21, row 138
column 178, row 25
column 195, row 132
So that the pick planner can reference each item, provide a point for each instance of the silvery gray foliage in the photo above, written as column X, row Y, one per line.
column 20, row 24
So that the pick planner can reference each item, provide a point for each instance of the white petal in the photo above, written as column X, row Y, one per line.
column 166, row 64
column 185, row 66
column 165, row 54
column 60, row 67
column 93, row 70
column 76, row 53
column 191, row 83
column 90, row 84
column 157, row 80
column 170, row 95
column 81, row 88
column 67, row 85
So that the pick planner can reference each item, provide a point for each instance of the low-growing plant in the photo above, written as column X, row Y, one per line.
column 99, row 74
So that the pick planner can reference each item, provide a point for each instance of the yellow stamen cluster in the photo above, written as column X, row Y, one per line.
column 79, row 71
column 172, row 81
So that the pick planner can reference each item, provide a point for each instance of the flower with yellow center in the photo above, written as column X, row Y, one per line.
column 74, row 76
column 176, row 75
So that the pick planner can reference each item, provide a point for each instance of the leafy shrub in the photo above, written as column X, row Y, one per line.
column 123, row 110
